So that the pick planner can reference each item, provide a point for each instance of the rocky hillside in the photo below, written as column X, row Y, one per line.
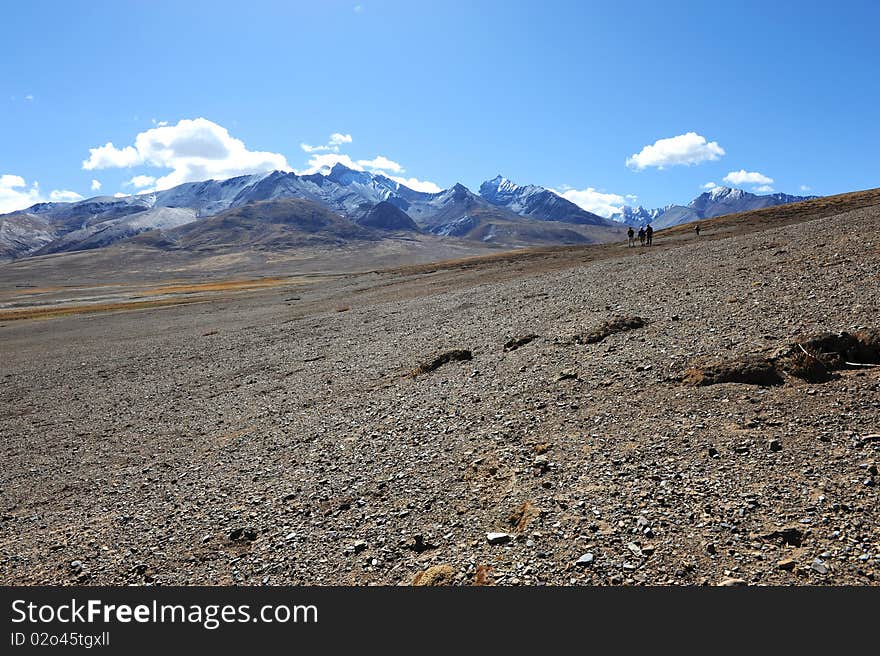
column 691, row 413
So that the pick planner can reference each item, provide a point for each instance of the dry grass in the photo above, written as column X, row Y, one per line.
column 219, row 286
column 456, row 355
column 519, row 519
column 71, row 310
column 436, row 575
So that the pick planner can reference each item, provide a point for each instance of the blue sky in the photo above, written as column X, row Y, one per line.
column 600, row 101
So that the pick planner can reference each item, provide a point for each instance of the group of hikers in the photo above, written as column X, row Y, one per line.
column 646, row 235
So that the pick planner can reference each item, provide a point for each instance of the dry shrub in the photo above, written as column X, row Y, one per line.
column 483, row 575
column 615, row 325
column 435, row 575
column 519, row 519
column 516, row 342
column 456, row 355
column 806, row 365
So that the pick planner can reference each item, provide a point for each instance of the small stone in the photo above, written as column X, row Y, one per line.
column 584, row 560
column 634, row 548
column 248, row 534
column 497, row 538
column 818, row 566
column 731, row 582
column 567, row 374
column 359, row 546
column 774, row 445
column 713, row 452
column 787, row 564
column 76, row 565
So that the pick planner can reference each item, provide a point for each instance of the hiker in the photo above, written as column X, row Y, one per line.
column 642, row 236
column 632, row 237
column 649, row 234
column 697, row 229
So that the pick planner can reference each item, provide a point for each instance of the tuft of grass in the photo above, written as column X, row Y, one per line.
column 68, row 310
column 455, row 355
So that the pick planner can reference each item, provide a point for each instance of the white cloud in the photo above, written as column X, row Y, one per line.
column 141, row 181
column 119, row 194
column 194, row 149
column 15, row 194
column 109, row 156
column 806, row 188
column 358, row 9
column 708, row 186
column 381, row 163
column 747, row 177
column 417, row 185
column 333, row 143
column 322, row 163
column 765, row 189
column 685, row 149
column 96, row 185
column 29, row 97
column 64, row 196
column 594, row 201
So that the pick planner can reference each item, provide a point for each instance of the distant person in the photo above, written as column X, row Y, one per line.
column 697, row 229
column 642, row 236
column 632, row 237
column 649, row 235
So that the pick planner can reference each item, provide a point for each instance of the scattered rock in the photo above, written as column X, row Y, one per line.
column 819, row 566
column 787, row 564
column 774, row 445
column 731, row 582
column 789, row 535
column 567, row 374
column 497, row 538
column 585, row 560
column 244, row 534
column 419, row 545
column 747, row 371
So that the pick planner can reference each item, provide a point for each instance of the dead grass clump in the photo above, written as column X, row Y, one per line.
column 610, row 327
column 516, row 342
column 456, row 355
column 867, row 348
column 519, row 519
column 435, row 575
column 806, row 365
column 748, row 371
column 483, row 575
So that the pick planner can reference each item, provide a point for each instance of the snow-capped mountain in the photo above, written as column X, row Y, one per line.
column 637, row 216
column 716, row 202
column 503, row 212
column 536, row 202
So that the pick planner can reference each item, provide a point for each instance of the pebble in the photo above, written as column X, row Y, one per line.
column 586, row 559
column 497, row 538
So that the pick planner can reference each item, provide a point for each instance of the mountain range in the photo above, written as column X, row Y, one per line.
column 340, row 206
column 716, row 202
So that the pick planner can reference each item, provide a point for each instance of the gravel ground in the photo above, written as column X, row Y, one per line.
column 277, row 439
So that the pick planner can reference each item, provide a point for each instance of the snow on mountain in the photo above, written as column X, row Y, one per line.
column 716, row 202
column 501, row 207
column 536, row 202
